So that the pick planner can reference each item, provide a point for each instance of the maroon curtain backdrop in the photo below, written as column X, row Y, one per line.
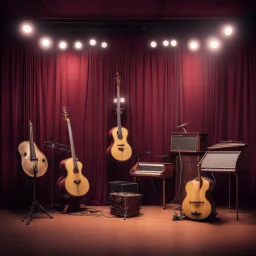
column 162, row 88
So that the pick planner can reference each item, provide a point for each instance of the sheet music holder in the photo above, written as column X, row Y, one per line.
column 223, row 144
column 227, row 157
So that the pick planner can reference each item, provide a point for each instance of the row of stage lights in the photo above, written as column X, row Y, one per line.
column 213, row 43
column 46, row 42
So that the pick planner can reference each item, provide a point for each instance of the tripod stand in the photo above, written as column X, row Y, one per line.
column 35, row 203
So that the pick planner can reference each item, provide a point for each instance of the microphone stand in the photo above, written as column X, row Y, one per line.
column 35, row 202
column 137, row 156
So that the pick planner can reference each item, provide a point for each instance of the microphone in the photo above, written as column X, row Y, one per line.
column 52, row 143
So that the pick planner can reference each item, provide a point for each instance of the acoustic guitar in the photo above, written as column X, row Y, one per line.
column 198, row 203
column 119, row 150
column 33, row 161
column 72, row 183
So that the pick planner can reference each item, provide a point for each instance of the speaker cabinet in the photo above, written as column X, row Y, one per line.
column 189, row 142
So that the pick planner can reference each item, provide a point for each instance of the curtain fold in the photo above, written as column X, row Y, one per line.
column 162, row 87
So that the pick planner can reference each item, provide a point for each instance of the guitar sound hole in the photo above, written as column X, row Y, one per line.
column 25, row 153
column 76, row 171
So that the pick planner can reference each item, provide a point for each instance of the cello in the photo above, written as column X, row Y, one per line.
column 198, row 203
column 119, row 150
column 72, row 182
column 33, row 161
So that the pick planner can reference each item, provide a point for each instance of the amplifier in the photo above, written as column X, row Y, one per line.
column 189, row 142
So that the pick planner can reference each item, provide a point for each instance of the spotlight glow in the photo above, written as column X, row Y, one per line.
column 104, row 45
column 165, row 43
column 63, row 45
column 193, row 45
column 214, row 44
column 153, row 44
column 26, row 28
column 45, row 42
column 228, row 30
column 78, row 45
column 122, row 100
column 92, row 42
column 174, row 43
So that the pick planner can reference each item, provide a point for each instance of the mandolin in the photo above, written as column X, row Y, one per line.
column 198, row 203
column 119, row 150
column 72, row 183
column 33, row 161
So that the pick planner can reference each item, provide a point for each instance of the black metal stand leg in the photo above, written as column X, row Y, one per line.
column 35, row 202
column 236, row 197
column 33, row 210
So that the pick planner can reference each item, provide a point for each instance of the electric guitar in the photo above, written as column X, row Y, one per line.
column 72, row 183
column 198, row 203
column 119, row 150
column 33, row 161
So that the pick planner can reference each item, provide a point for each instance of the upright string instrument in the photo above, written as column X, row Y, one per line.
column 119, row 150
column 72, row 182
column 198, row 203
column 33, row 161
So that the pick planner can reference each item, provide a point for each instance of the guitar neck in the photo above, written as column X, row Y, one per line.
column 31, row 143
column 73, row 154
column 199, row 177
column 118, row 111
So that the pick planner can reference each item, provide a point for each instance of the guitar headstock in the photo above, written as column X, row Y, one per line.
column 65, row 113
column 118, row 79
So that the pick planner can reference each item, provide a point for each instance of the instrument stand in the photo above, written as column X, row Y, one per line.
column 72, row 205
column 60, row 147
column 35, row 203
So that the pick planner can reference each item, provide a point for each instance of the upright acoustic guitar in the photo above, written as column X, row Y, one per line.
column 119, row 150
column 198, row 203
column 72, row 183
column 33, row 161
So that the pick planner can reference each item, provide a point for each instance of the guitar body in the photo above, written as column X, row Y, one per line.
column 72, row 183
column 119, row 150
column 27, row 164
column 198, row 203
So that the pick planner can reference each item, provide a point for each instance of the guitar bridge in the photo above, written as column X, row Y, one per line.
column 196, row 213
column 77, row 181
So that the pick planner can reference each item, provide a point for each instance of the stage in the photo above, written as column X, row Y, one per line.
column 96, row 232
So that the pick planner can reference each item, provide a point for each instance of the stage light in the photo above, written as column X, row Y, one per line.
column 193, row 45
column 228, row 30
column 122, row 105
column 214, row 44
column 45, row 42
column 153, row 44
column 27, row 28
column 165, row 43
column 92, row 42
column 78, row 45
column 63, row 45
column 122, row 100
column 104, row 45
column 174, row 43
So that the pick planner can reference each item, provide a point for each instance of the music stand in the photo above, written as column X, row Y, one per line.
column 35, row 203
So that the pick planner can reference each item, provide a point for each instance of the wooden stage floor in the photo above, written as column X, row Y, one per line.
column 152, row 233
